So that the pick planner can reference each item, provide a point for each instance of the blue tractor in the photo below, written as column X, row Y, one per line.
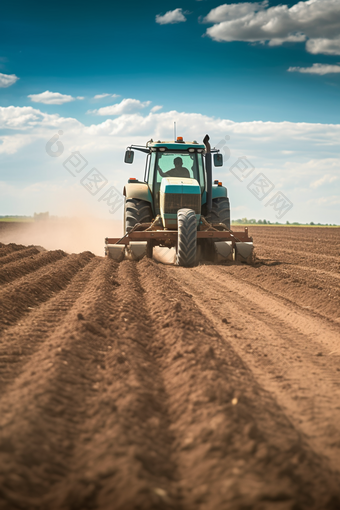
column 178, row 205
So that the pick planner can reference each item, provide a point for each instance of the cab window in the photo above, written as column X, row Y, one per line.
column 152, row 161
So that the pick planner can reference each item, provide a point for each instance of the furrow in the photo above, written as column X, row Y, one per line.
column 20, row 268
column 18, row 255
column 6, row 249
column 287, row 350
column 305, row 321
column 19, row 297
column 317, row 293
column 129, row 458
column 321, row 241
column 315, row 272
column 235, row 447
column 298, row 257
column 21, row 341
column 42, row 414
column 87, row 425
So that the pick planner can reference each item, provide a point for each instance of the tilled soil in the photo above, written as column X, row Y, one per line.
column 145, row 386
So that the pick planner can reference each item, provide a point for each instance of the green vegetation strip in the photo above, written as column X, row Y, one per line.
column 14, row 219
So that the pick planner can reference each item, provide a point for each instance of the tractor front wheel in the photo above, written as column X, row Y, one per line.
column 187, row 237
column 136, row 211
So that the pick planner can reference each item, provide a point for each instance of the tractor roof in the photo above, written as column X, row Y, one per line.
column 176, row 145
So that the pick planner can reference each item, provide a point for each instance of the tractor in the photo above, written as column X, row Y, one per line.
column 179, row 206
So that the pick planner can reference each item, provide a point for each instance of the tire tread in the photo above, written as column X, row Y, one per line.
column 136, row 211
column 187, row 237
column 220, row 211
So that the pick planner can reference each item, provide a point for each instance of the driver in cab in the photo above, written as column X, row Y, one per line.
column 178, row 171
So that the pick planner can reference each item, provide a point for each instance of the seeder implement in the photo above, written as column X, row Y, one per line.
column 216, row 245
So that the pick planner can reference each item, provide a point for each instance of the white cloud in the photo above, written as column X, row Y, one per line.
column 100, row 96
column 228, row 12
column 6, row 80
column 316, row 69
column 315, row 20
column 291, row 38
column 26, row 120
column 324, row 46
column 125, row 106
column 13, row 143
column 156, row 108
column 175, row 16
column 291, row 155
column 328, row 201
column 48, row 97
column 324, row 180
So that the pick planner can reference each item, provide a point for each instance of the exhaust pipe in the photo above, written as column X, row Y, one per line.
column 208, row 169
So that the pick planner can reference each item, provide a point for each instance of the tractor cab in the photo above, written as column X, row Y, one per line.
column 177, row 164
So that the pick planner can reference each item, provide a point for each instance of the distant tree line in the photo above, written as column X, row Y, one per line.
column 14, row 216
column 252, row 221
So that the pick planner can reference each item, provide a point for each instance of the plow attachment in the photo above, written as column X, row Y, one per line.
column 244, row 252
column 223, row 251
column 115, row 251
column 213, row 244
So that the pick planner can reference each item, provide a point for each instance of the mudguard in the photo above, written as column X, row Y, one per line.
column 138, row 190
column 219, row 192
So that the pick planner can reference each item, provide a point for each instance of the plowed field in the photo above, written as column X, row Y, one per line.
column 146, row 386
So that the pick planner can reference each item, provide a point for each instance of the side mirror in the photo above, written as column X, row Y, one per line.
column 218, row 159
column 129, row 155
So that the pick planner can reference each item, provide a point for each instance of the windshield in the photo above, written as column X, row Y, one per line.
column 181, row 164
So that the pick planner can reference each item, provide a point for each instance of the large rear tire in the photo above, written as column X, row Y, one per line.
column 136, row 211
column 220, row 212
column 187, row 238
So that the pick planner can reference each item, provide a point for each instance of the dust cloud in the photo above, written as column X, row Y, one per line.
column 73, row 235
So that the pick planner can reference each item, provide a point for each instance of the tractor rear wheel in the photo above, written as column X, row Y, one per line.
column 136, row 211
column 187, row 237
column 220, row 212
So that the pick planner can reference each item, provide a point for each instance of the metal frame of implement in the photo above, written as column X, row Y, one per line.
column 171, row 235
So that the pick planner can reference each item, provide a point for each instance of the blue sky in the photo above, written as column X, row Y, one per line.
column 232, row 67
column 79, row 49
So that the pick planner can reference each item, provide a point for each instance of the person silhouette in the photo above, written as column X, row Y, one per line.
column 178, row 171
